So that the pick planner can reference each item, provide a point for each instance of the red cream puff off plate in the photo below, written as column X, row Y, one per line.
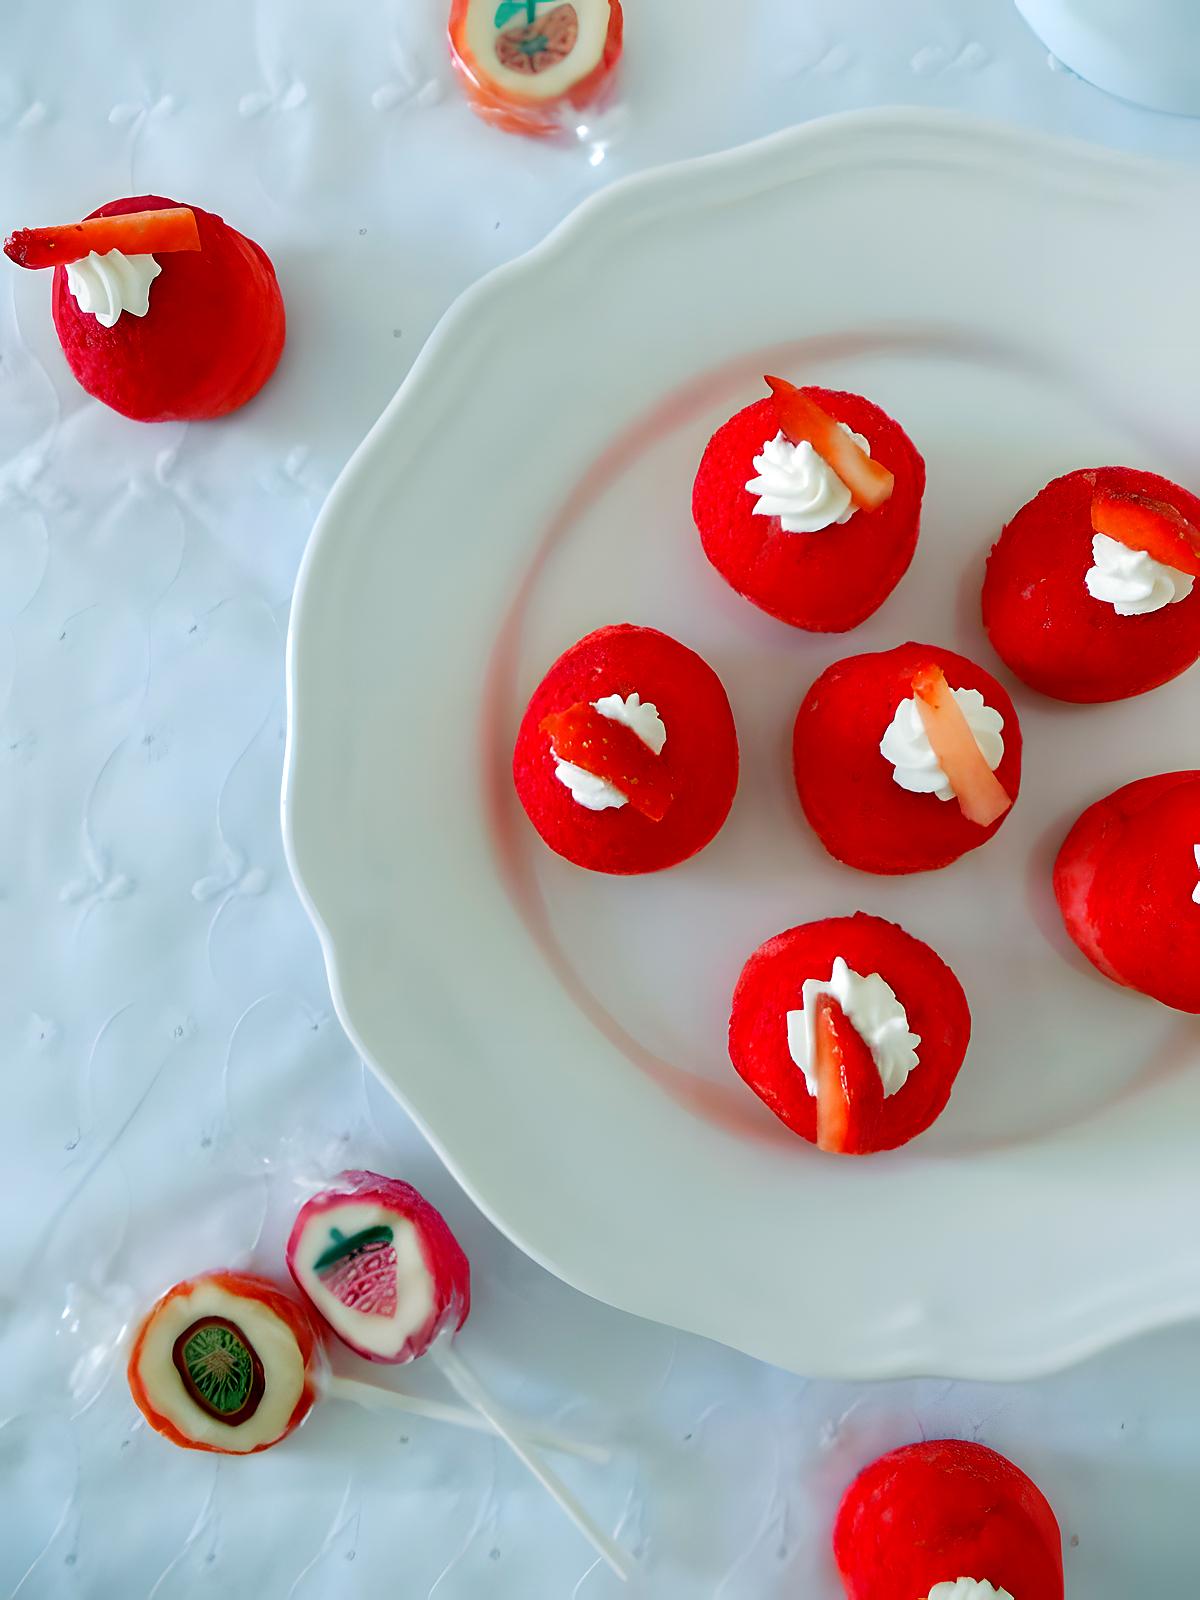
column 562, row 1033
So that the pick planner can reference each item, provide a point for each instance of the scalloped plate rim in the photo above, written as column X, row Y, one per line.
column 955, row 138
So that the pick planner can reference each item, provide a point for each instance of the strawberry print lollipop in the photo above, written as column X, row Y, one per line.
column 906, row 759
column 851, row 1031
column 626, row 759
column 382, row 1269
column 808, row 503
column 380, row 1266
column 1127, row 881
column 947, row 1520
column 535, row 66
column 164, row 312
column 1091, row 592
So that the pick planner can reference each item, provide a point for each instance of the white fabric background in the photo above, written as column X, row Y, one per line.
column 170, row 1059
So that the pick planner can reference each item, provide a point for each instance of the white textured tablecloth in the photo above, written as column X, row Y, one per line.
column 170, row 1058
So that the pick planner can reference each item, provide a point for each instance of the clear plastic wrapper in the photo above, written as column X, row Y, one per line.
column 545, row 69
column 232, row 1362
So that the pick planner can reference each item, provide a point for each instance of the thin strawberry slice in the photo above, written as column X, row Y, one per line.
column 869, row 482
column 136, row 233
column 611, row 751
column 1142, row 523
column 849, row 1088
column 980, row 794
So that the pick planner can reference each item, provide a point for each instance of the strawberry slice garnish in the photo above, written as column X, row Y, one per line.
column 1142, row 523
column 135, row 233
column 611, row 751
column 869, row 482
column 980, row 794
column 849, row 1088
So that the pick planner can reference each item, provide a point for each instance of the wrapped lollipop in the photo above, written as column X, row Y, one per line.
column 381, row 1267
column 379, row 1264
column 536, row 66
column 230, row 1362
column 225, row 1362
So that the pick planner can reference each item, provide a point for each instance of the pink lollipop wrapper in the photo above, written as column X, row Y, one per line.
column 380, row 1266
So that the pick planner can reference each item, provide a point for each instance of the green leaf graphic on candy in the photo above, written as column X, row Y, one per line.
column 360, row 1270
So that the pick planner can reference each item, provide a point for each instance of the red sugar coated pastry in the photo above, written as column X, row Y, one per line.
column 866, row 770
column 192, row 335
column 380, row 1265
column 683, row 768
column 1089, row 593
column 1127, row 881
column 947, row 1520
column 809, row 554
column 534, row 66
column 225, row 1362
column 899, row 1021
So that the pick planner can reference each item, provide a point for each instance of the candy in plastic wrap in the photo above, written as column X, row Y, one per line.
column 226, row 1362
column 380, row 1265
column 533, row 66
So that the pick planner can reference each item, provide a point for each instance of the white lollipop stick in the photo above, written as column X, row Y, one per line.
column 473, row 1392
column 373, row 1397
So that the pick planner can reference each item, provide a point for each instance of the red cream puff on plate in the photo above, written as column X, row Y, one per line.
column 1091, row 592
column 947, row 1519
column 1127, row 881
column 627, row 758
column 851, row 1031
column 906, row 759
column 164, row 312
column 808, row 503
column 535, row 66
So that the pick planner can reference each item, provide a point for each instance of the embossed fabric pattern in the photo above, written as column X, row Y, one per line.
column 171, row 1058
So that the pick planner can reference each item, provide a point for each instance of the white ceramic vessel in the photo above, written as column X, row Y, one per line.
column 1147, row 52
column 559, row 1035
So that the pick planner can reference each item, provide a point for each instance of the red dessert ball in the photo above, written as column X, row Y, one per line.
column 211, row 338
column 847, row 786
column 647, row 809
column 1045, row 623
column 1126, row 881
column 863, row 1118
column 834, row 577
column 931, row 1514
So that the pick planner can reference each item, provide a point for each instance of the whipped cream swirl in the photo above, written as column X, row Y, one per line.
column 968, row 1589
column 874, row 1013
column 106, row 285
column 906, row 744
column 1132, row 582
column 597, row 794
column 799, row 486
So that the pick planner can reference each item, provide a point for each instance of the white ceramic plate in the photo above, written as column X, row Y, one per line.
column 1022, row 306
